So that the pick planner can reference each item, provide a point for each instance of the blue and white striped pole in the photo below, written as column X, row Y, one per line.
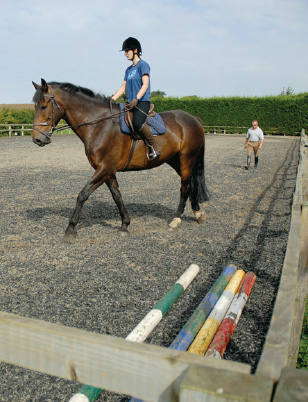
column 197, row 319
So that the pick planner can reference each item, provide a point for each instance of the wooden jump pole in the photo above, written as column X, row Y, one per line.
column 219, row 343
column 206, row 334
column 146, row 326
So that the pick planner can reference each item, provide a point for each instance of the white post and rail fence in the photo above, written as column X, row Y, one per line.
column 12, row 130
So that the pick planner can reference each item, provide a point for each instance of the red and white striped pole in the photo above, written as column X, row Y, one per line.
column 226, row 329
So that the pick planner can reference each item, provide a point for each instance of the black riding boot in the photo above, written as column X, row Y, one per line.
column 256, row 161
column 248, row 162
column 155, row 148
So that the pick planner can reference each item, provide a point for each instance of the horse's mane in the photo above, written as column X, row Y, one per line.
column 72, row 90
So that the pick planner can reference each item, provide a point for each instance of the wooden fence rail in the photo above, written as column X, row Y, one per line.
column 215, row 129
column 167, row 375
column 15, row 129
column 22, row 129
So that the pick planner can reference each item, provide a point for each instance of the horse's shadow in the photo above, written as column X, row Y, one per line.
column 99, row 212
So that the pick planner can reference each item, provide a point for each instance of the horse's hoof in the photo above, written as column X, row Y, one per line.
column 69, row 238
column 123, row 232
column 201, row 220
column 200, row 216
column 175, row 223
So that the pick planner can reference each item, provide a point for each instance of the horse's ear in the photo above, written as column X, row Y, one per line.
column 44, row 85
column 36, row 86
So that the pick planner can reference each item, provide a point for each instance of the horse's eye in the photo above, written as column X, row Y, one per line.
column 43, row 107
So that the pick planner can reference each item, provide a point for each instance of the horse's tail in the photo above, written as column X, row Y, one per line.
column 198, row 189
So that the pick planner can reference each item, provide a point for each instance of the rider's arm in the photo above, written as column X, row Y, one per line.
column 119, row 92
column 144, row 87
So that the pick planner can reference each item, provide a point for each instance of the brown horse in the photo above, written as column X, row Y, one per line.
column 110, row 151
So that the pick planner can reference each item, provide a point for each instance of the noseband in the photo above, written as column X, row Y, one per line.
column 54, row 103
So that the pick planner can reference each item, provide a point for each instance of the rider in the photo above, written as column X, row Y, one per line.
column 137, row 85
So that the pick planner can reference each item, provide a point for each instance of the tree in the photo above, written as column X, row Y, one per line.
column 287, row 92
column 158, row 94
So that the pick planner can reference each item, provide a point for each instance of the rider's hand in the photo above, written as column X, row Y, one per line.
column 132, row 104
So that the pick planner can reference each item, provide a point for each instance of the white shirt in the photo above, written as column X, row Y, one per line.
column 255, row 135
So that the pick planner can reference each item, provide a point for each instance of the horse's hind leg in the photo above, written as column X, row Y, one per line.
column 185, row 188
column 191, row 180
column 200, row 216
column 113, row 186
column 199, row 191
column 185, row 174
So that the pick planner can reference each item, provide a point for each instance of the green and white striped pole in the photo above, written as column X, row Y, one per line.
column 146, row 326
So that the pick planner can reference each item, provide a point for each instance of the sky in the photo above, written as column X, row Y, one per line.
column 206, row 48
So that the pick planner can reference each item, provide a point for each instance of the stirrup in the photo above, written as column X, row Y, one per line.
column 153, row 154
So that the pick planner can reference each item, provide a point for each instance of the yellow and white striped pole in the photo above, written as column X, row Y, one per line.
column 208, row 330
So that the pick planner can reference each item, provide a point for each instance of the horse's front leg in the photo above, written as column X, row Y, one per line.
column 71, row 232
column 113, row 186
column 97, row 180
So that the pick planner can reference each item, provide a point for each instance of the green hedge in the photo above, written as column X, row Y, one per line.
column 16, row 116
column 285, row 115
column 302, row 360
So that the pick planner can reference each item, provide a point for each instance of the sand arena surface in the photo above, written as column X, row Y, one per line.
column 106, row 283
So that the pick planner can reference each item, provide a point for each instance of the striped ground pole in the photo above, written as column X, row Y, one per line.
column 197, row 319
column 195, row 322
column 219, row 343
column 146, row 326
column 207, row 332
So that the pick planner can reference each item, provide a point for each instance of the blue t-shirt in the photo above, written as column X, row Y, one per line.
column 133, row 78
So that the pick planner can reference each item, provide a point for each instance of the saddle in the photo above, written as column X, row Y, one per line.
column 154, row 122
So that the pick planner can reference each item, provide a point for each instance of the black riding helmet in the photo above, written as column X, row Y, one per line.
column 131, row 44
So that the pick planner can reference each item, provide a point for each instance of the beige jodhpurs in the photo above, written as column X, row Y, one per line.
column 253, row 146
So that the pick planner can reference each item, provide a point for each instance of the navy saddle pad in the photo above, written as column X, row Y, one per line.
column 156, row 123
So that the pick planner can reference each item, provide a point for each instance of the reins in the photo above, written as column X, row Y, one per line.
column 48, row 134
column 89, row 123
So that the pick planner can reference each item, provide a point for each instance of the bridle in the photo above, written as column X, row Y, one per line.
column 54, row 103
column 51, row 117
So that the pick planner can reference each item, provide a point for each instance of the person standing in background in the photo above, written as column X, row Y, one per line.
column 254, row 142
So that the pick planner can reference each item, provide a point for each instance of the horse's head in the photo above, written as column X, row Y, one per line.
column 47, row 114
